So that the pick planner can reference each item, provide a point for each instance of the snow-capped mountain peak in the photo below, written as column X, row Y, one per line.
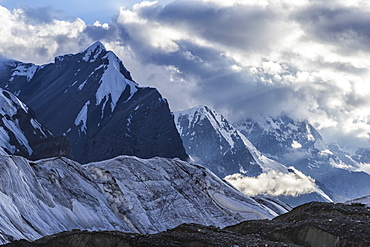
column 92, row 52
column 297, row 143
column 91, row 98
column 199, row 113
column 213, row 142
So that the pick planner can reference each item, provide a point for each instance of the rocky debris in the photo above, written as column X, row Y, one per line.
column 51, row 147
column 311, row 224
column 183, row 235
column 315, row 224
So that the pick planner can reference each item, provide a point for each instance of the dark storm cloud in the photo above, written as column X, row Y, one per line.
column 46, row 14
column 217, row 84
column 346, row 27
column 110, row 34
column 241, row 27
column 304, row 58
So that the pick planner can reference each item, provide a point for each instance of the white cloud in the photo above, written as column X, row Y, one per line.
column 38, row 42
column 273, row 183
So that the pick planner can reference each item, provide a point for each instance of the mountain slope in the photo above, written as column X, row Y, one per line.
column 91, row 98
column 47, row 197
column 127, row 194
column 297, row 143
column 216, row 144
column 159, row 194
column 22, row 134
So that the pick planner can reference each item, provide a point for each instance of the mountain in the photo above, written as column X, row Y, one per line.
column 126, row 194
column 212, row 141
column 22, row 133
column 299, row 144
column 91, row 98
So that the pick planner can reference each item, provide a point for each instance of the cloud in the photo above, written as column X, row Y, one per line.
column 346, row 28
column 23, row 37
column 302, row 58
column 273, row 183
column 269, row 59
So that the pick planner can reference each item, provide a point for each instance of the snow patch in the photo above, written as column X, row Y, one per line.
column 296, row 145
column 81, row 118
column 113, row 83
column 26, row 70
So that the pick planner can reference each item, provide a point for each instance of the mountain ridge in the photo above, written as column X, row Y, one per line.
column 85, row 95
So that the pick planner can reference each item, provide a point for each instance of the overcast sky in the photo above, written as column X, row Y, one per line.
column 305, row 58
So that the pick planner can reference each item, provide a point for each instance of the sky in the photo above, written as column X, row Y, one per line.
column 308, row 59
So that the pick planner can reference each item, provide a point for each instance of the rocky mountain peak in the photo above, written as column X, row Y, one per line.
column 91, row 98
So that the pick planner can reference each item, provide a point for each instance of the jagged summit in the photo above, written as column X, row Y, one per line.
column 96, row 46
column 91, row 98
column 211, row 140
column 93, row 52
column 297, row 143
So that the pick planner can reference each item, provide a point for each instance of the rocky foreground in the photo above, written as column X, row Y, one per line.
column 312, row 224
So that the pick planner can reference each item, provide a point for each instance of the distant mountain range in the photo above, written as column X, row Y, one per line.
column 252, row 148
column 297, row 143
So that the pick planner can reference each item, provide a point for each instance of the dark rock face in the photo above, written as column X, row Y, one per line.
column 91, row 98
column 315, row 224
column 23, row 135
column 51, row 147
column 142, row 128
column 190, row 235
column 312, row 224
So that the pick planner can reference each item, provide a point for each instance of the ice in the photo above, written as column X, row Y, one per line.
column 5, row 141
column 37, row 126
column 265, row 163
column 14, row 127
column 158, row 194
column 125, row 193
column 50, row 196
column 9, row 105
column 235, row 205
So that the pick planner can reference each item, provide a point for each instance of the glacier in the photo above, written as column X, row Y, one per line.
column 127, row 194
